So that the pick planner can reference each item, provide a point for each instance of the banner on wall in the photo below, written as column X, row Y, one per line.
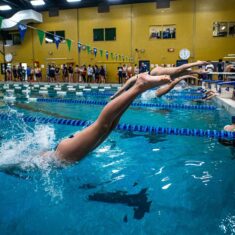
column 22, row 30
column 88, row 49
column 41, row 35
column 1, row 19
column 57, row 41
column 69, row 43
column 107, row 55
column 101, row 53
column 95, row 51
column 79, row 47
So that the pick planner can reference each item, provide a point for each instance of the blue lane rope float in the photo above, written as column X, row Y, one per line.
column 128, row 127
column 185, row 97
column 135, row 104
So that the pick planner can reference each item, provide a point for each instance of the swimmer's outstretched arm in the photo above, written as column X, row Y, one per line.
column 163, row 90
column 82, row 143
column 210, row 96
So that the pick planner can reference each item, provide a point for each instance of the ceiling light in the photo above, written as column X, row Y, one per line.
column 37, row 2
column 73, row 0
column 5, row 8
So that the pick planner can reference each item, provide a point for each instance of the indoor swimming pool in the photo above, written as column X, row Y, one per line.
column 134, row 183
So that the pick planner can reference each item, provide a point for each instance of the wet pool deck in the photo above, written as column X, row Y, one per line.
column 228, row 104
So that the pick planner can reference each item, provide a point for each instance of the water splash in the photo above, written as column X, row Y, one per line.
column 22, row 154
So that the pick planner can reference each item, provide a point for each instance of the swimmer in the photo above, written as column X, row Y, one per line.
column 80, row 144
column 230, row 68
column 208, row 95
column 230, row 128
column 165, row 89
column 174, row 72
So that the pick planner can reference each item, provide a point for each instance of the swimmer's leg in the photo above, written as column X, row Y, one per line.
column 176, row 71
column 76, row 148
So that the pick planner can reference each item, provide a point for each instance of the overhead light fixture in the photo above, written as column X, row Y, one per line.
column 5, row 8
column 73, row 1
column 37, row 2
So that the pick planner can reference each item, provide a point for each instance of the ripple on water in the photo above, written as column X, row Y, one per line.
column 227, row 224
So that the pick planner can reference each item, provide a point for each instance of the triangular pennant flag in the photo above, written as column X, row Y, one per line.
column 22, row 29
column 101, row 53
column 111, row 55
column 1, row 19
column 123, row 58
column 41, row 35
column 107, row 55
column 120, row 57
column 69, row 42
column 57, row 41
column 88, row 49
column 79, row 47
column 116, row 56
column 95, row 51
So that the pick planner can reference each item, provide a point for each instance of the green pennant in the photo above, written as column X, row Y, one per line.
column 41, row 35
column 101, row 53
column 69, row 42
column 88, row 49
column 1, row 19
column 111, row 55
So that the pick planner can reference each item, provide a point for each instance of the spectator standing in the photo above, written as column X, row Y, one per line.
column 76, row 73
column 65, row 73
column 136, row 70
column 89, row 73
column 220, row 69
column 102, row 74
column 97, row 73
column 57, row 73
column 14, row 71
column 210, row 68
column 84, row 73
column 120, row 78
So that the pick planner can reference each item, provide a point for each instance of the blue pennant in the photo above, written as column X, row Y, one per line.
column 95, row 51
column 22, row 29
column 79, row 47
column 57, row 41
column 107, row 54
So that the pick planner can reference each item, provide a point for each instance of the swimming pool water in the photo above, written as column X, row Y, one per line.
column 187, row 183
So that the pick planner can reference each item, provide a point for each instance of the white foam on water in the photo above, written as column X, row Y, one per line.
column 148, row 95
column 28, row 154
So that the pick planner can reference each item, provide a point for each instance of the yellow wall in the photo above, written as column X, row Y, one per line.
column 193, row 19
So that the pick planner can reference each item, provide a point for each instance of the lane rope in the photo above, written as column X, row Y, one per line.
column 135, row 104
column 128, row 127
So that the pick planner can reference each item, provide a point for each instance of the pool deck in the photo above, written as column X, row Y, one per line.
column 228, row 104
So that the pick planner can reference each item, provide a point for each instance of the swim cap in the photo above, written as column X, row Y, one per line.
column 233, row 119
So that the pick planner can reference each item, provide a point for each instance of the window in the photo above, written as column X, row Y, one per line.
column 16, row 39
column 49, row 37
column 231, row 29
column 162, row 32
column 107, row 34
column 220, row 29
column 110, row 34
column 98, row 34
column 11, row 38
